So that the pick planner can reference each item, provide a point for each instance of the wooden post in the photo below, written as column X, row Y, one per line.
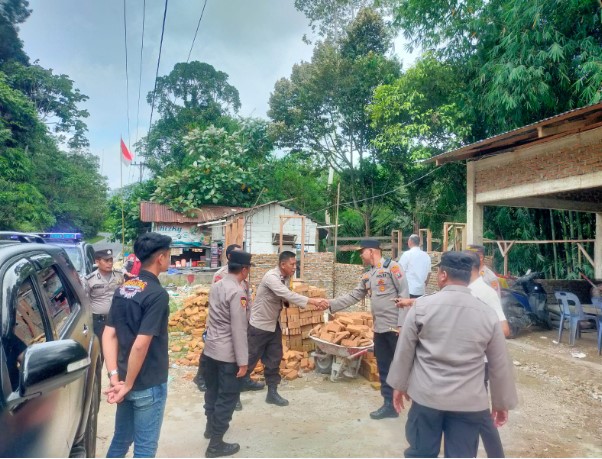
column 302, row 269
column 505, row 247
column 281, row 238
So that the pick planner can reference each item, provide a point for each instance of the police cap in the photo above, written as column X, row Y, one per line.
column 476, row 248
column 369, row 244
column 456, row 260
column 241, row 258
column 104, row 254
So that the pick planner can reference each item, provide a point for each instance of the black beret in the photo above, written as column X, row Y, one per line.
column 456, row 260
column 241, row 258
column 104, row 254
column 369, row 244
column 476, row 248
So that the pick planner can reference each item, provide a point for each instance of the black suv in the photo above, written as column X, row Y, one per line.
column 49, row 357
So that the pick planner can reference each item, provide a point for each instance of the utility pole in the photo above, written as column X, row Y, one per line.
column 140, row 165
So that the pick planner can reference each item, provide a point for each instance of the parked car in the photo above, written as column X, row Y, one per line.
column 15, row 236
column 80, row 252
column 50, row 363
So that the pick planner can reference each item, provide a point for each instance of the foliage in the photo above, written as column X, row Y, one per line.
column 193, row 95
column 55, row 99
column 221, row 168
column 131, row 195
column 12, row 12
column 320, row 109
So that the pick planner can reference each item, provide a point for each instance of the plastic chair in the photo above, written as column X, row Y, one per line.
column 597, row 302
column 573, row 317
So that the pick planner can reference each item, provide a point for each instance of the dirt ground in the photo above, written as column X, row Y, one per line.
column 558, row 416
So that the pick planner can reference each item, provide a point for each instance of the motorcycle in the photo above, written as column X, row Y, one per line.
column 525, row 304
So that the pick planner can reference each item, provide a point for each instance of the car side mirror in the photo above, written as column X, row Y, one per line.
column 48, row 366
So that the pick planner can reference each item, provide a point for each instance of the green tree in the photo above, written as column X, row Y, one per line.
column 221, row 168
column 130, row 196
column 320, row 109
column 12, row 13
column 55, row 99
column 193, row 95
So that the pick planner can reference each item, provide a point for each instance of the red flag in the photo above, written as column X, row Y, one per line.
column 126, row 156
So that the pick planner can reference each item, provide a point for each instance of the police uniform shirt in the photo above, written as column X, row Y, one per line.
column 271, row 294
column 491, row 279
column 227, row 331
column 141, row 307
column 439, row 356
column 382, row 285
column 100, row 289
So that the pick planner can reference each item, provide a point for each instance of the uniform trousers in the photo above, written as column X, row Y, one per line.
column 489, row 432
column 267, row 346
column 384, row 350
column 98, row 323
column 223, row 391
column 426, row 426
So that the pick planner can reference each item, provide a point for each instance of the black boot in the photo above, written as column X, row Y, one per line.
column 219, row 448
column 238, row 406
column 385, row 411
column 249, row 384
column 208, row 427
column 274, row 397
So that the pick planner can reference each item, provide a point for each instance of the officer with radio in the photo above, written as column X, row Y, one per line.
column 384, row 283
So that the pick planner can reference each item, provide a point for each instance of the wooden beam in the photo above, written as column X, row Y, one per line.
column 557, row 241
column 586, row 255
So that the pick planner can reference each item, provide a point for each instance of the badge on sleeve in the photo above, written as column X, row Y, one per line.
column 243, row 302
column 396, row 271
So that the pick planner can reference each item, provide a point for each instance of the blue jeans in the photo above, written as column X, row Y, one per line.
column 138, row 420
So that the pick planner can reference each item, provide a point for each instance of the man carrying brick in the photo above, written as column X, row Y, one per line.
column 226, row 353
column 265, row 333
column 438, row 363
column 384, row 283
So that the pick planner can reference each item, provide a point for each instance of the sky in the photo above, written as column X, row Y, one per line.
column 256, row 42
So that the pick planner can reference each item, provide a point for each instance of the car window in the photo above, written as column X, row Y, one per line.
column 75, row 256
column 90, row 257
column 60, row 299
column 28, row 329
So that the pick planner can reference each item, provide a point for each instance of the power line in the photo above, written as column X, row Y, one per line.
column 196, row 31
column 127, row 80
column 140, row 79
column 394, row 190
column 158, row 63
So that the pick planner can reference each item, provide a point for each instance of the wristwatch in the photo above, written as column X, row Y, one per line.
column 112, row 373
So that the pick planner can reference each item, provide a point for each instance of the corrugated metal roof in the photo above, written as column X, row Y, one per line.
column 160, row 213
column 563, row 124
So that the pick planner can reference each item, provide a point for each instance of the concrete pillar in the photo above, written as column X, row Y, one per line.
column 598, row 248
column 474, row 211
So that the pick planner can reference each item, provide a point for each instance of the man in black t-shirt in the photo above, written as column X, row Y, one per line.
column 135, row 343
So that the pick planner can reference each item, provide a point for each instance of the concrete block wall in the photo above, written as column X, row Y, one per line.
column 580, row 159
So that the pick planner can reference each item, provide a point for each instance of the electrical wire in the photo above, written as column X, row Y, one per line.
column 196, row 31
column 127, row 80
column 140, row 79
column 158, row 63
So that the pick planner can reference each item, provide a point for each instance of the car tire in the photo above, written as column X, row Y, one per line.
column 86, row 447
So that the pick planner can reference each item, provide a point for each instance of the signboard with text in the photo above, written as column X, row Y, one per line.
column 183, row 235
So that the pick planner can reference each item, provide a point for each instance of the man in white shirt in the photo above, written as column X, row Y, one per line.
column 417, row 266
column 479, row 289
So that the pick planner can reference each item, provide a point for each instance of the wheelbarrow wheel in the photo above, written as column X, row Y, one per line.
column 324, row 364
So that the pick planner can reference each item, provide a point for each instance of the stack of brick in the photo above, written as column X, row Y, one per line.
column 298, row 322
column 191, row 318
column 293, row 362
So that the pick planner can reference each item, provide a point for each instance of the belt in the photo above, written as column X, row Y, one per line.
column 99, row 316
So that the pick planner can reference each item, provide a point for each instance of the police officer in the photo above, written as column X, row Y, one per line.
column 100, row 286
column 226, row 353
column 487, row 274
column 384, row 283
column 438, row 363
column 265, row 333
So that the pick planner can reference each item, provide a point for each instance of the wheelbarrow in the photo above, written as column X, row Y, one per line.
column 338, row 360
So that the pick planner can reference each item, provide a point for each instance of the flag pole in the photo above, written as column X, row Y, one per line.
column 122, row 211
